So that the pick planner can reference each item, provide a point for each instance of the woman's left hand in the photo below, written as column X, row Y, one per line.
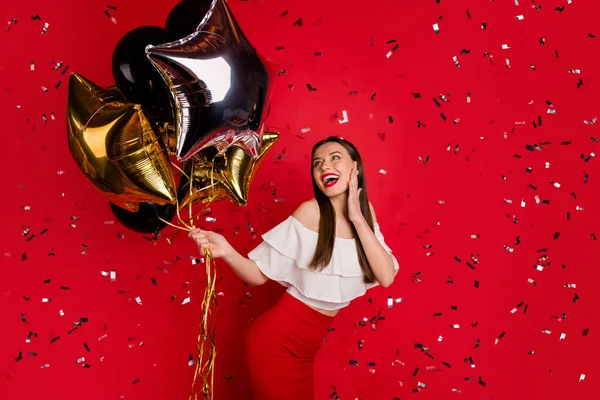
column 354, row 212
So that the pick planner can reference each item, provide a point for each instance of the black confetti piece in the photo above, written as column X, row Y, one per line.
column 585, row 332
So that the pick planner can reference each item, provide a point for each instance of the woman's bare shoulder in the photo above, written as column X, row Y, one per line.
column 308, row 213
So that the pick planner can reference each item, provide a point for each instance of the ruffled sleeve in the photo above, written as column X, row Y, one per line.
column 287, row 250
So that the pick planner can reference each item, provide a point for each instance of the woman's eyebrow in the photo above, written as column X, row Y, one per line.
column 333, row 152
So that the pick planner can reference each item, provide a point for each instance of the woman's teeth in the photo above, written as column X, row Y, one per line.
column 330, row 180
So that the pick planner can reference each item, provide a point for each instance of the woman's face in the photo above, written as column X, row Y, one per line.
column 332, row 167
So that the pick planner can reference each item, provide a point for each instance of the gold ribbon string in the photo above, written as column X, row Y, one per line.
column 205, row 368
column 207, row 349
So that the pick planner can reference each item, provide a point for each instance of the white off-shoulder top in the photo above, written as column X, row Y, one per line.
column 285, row 254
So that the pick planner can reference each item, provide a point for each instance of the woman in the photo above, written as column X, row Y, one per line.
column 327, row 253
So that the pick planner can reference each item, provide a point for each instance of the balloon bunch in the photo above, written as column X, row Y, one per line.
column 192, row 97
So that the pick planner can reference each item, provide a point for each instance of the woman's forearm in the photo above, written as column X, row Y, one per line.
column 381, row 262
column 245, row 268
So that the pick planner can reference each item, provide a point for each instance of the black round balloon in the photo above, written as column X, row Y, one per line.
column 135, row 75
column 185, row 17
column 147, row 218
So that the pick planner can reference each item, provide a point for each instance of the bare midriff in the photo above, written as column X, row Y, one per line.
column 330, row 313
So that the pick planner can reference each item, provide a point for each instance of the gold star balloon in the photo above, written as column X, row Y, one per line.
column 115, row 145
column 221, row 177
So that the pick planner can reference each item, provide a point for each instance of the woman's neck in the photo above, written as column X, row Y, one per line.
column 340, row 205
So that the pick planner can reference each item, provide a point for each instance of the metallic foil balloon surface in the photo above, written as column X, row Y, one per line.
column 219, row 85
column 226, row 177
column 116, row 147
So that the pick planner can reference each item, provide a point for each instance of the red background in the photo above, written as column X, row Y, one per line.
column 152, row 342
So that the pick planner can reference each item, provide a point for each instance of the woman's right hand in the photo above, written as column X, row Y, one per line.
column 216, row 243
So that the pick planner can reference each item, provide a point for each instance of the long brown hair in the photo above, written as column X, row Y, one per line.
column 326, row 239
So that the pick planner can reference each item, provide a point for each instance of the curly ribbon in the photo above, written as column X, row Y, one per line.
column 204, row 375
column 205, row 368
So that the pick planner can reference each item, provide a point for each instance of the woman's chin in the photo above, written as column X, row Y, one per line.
column 332, row 192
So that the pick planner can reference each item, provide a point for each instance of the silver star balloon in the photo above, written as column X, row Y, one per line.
column 219, row 85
